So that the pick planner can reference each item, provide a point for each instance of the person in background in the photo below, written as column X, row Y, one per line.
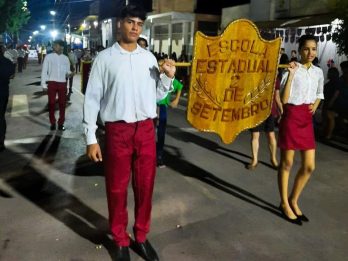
column 338, row 105
column 55, row 71
column 161, row 120
column 7, row 70
column 20, row 59
column 268, row 127
column 123, row 88
column 301, row 95
column 26, row 57
column 329, row 90
column 142, row 42
column 43, row 53
column 293, row 56
column 11, row 54
column 78, row 52
column 39, row 54
column 73, row 61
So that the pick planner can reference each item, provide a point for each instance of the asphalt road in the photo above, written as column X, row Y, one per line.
column 207, row 206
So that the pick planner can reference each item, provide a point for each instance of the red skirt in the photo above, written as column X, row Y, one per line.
column 296, row 128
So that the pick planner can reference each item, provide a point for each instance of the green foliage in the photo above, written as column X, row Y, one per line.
column 14, row 15
column 340, row 35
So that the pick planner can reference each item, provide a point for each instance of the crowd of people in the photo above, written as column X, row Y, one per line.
column 130, row 89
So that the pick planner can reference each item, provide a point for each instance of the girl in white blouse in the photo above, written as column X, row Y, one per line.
column 303, row 90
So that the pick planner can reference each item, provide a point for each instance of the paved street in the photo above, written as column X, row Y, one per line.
column 207, row 206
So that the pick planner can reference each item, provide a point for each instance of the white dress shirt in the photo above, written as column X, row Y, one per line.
column 306, row 86
column 123, row 86
column 55, row 68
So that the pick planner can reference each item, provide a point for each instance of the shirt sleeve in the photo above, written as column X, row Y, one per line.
column 320, row 90
column 44, row 73
column 283, row 80
column 177, row 85
column 68, row 65
column 164, row 86
column 92, row 100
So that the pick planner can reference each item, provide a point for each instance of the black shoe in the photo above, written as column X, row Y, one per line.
column 160, row 163
column 251, row 166
column 122, row 253
column 303, row 218
column 53, row 127
column 295, row 221
column 146, row 251
column 61, row 127
column 2, row 147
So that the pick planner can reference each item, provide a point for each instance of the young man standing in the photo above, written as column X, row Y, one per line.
column 55, row 71
column 123, row 88
column 7, row 70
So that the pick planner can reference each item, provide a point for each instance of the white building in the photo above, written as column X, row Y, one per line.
column 290, row 19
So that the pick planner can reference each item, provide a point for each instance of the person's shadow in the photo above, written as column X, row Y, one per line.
column 56, row 201
column 211, row 145
column 176, row 161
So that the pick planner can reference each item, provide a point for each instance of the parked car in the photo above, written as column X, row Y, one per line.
column 33, row 54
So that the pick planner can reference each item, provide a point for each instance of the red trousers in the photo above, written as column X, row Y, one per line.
column 53, row 89
column 130, row 147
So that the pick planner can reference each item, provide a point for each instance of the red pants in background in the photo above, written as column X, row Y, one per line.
column 52, row 89
column 130, row 147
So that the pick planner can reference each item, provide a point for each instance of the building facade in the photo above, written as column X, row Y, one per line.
column 289, row 19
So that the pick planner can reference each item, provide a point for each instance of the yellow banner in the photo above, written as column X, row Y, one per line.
column 232, row 80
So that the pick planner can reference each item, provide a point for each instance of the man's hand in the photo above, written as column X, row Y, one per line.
column 169, row 67
column 312, row 108
column 293, row 66
column 94, row 152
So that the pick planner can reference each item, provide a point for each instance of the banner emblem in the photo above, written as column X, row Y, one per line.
column 232, row 80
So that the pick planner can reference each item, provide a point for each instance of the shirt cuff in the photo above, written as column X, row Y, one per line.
column 90, row 137
column 166, row 81
column 320, row 96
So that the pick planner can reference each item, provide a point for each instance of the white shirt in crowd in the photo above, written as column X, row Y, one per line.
column 55, row 68
column 123, row 86
column 21, row 53
column 306, row 86
column 12, row 55
column 72, row 57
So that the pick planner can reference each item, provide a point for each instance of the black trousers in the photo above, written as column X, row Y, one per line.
column 3, row 106
column 20, row 61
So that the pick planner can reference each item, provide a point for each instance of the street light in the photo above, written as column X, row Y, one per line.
column 42, row 27
column 53, row 13
column 35, row 32
column 54, row 34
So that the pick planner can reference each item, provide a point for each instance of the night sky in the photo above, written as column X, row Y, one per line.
column 79, row 9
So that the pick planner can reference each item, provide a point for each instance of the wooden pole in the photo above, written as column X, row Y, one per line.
column 188, row 64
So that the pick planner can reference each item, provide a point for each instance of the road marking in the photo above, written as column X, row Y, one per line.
column 189, row 129
column 20, row 106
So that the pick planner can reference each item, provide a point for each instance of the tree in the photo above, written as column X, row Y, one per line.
column 14, row 15
column 340, row 35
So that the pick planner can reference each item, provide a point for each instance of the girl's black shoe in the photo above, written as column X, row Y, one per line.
column 295, row 221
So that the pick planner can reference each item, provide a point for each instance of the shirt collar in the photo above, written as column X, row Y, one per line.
column 118, row 48
column 304, row 67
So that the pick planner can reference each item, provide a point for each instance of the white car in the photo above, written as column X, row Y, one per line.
column 32, row 53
